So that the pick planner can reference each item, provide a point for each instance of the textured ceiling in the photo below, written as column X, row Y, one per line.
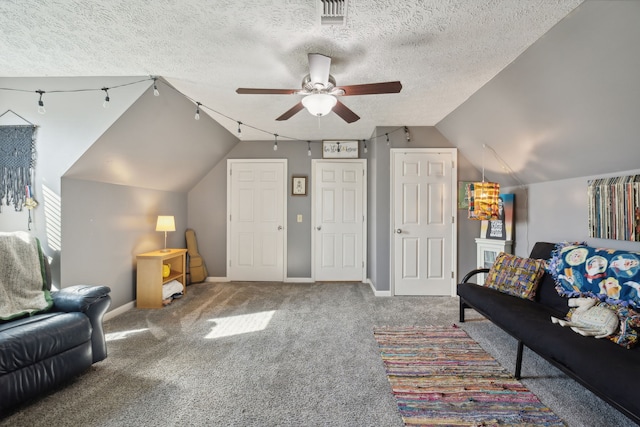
column 441, row 50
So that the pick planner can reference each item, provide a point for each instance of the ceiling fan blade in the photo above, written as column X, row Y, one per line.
column 372, row 88
column 319, row 68
column 251, row 91
column 345, row 113
column 291, row 111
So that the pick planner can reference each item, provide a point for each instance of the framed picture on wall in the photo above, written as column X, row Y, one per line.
column 298, row 185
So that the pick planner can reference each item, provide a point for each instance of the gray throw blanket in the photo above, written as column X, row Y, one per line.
column 21, row 276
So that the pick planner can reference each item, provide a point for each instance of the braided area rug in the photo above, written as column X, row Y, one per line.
column 440, row 376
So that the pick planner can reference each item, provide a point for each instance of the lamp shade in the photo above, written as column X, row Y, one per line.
column 165, row 223
column 483, row 200
column 319, row 104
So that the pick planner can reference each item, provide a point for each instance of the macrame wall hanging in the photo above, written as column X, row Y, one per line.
column 17, row 162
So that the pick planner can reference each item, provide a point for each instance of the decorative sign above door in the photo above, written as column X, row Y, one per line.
column 347, row 149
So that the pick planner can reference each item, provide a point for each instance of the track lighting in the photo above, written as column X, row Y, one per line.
column 387, row 138
column 406, row 134
column 197, row 117
column 41, row 109
column 105, row 104
column 364, row 141
column 156, row 92
column 309, row 148
column 239, row 130
column 275, row 142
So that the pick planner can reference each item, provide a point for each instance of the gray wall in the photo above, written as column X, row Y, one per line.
column 73, row 121
column 380, row 199
column 208, row 206
column 373, row 199
column 563, row 112
column 557, row 211
column 156, row 144
column 567, row 107
column 141, row 167
column 105, row 226
column 150, row 146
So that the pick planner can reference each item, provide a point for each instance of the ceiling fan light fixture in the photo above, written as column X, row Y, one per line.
column 319, row 104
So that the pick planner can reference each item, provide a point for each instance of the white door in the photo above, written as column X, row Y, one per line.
column 256, row 203
column 423, row 220
column 339, row 220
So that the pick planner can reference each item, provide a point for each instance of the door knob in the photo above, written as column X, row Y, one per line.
column 319, row 228
column 279, row 227
column 398, row 230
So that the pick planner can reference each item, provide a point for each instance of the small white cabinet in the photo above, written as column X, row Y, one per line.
column 487, row 251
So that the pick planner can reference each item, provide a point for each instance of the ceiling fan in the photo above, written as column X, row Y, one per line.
column 320, row 91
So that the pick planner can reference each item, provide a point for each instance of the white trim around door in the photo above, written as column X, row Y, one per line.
column 339, row 220
column 423, row 218
column 256, row 219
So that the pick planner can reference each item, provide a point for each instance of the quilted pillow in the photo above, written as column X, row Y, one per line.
column 515, row 276
column 627, row 333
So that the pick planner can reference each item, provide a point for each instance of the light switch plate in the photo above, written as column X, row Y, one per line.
column 299, row 218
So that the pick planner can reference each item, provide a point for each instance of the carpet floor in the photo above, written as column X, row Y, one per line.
column 274, row 354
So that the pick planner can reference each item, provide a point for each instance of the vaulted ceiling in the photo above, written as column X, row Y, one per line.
column 442, row 51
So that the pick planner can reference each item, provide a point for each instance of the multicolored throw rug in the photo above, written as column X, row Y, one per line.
column 440, row 376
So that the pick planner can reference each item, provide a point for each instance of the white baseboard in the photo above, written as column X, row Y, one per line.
column 118, row 311
column 128, row 306
column 377, row 292
column 299, row 280
column 286, row 280
column 217, row 279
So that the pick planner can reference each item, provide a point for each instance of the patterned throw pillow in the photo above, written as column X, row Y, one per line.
column 515, row 276
column 627, row 333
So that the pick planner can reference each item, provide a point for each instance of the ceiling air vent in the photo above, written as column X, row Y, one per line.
column 333, row 12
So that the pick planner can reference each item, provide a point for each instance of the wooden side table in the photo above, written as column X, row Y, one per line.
column 149, row 278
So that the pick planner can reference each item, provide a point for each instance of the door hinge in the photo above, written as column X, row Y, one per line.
column 229, row 217
column 453, row 220
column 452, row 275
column 362, row 264
column 229, row 263
column 230, row 172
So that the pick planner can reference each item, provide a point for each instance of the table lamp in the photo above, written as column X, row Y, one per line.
column 165, row 223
